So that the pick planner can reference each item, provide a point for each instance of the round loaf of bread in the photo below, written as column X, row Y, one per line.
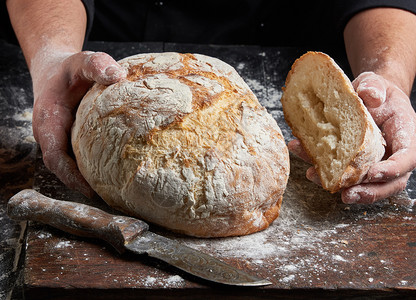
column 330, row 120
column 183, row 142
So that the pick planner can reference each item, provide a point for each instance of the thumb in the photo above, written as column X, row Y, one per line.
column 371, row 88
column 98, row 67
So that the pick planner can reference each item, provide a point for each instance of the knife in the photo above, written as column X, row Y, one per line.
column 124, row 233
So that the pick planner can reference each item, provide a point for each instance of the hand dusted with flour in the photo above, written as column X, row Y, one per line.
column 183, row 142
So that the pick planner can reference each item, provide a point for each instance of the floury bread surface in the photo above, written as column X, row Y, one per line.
column 333, row 125
column 183, row 142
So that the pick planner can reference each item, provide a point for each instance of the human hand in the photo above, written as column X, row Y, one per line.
column 392, row 111
column 59, row 83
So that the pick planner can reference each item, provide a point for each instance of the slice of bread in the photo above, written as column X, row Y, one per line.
column 331, row 121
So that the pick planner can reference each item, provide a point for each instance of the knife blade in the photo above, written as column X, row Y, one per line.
column 125, row 233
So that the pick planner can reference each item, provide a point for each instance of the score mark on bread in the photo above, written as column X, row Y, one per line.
column 184, row 143
column 331, row 121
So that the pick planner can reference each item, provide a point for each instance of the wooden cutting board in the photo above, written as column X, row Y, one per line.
column 318, row 247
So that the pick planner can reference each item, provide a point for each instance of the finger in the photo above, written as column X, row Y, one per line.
column 313, row 176
column 97, row 67
column 371, row 192
column 371, row 88
column 296, row 148
column 65, row 168
column 399, row 133
column 52, row 137
column 397, row 165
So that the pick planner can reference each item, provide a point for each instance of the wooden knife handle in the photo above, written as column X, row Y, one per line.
column 75, row 218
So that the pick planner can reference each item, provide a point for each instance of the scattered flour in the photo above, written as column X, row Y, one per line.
column 338, row 258
column 63, row 244
column 44, row 235
column 25, row 115
column 173, row 281
column 150, row 281
column 287, row 278
column 240, row 66
column 21, row 130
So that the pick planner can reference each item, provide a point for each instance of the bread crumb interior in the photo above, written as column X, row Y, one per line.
column 317, row 107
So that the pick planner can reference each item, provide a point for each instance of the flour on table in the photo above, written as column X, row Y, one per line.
column 311, row 238
column 173, row 281
column 64, row 244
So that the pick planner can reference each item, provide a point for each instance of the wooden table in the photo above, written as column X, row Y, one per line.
column 318, row 247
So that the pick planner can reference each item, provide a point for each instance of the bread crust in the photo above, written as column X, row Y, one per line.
column 371, row 144
column 183, row 142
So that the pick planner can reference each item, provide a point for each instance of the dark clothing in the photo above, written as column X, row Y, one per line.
column 261, row 22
